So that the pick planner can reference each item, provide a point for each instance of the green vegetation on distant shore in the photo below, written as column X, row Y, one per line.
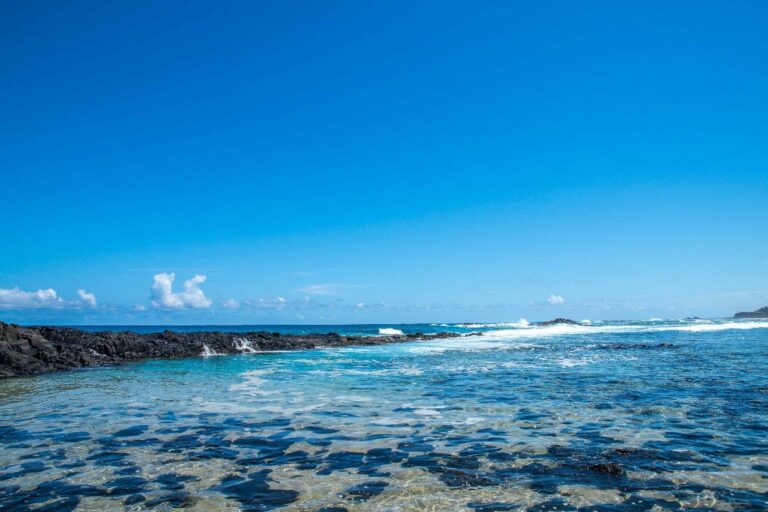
column 758, row 313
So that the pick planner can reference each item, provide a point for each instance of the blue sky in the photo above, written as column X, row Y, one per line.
column 325, row 162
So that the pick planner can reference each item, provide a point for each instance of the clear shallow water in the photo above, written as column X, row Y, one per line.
column 615, row 416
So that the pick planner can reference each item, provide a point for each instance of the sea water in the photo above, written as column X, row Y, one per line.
column 662, row 415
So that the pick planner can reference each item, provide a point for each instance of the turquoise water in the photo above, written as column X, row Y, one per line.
column 663, row 415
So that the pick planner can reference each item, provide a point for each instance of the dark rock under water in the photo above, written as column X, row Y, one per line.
column 32, row 350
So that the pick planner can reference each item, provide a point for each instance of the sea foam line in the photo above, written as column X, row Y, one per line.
column 567, row 329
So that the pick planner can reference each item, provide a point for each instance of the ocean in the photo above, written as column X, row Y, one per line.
column 601, row 416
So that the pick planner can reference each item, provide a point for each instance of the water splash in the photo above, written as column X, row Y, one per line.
column 388, row 331
column 208, row 351
column 244, row 346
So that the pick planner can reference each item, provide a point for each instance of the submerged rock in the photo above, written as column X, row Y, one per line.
column 607, row 468
column 32, row 350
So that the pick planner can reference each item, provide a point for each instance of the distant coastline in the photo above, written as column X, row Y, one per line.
column 758, row 313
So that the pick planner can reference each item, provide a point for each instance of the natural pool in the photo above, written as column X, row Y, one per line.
column 666, row 416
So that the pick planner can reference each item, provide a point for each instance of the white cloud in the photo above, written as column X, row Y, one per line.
column 322, row 289
column 262, row 304
column 192, row 296
column 555, row 300
column 360, row 305
column 230, row 304
column 14, row 298
column 139, row 307
column 88, row 298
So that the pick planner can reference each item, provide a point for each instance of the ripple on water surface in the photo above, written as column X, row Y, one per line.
column 615, row 419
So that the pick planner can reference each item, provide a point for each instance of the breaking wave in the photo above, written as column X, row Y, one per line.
column 534, row 331
column 521, row 324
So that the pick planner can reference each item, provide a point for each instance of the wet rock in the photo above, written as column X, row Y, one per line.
column 366, row 490
column 185, row 442
column 492, row 507
column 607, row 469
column 175, row 500
column 338, row 461
column 65, row 505
column 459, row 478
column 110, row 458
column 215, row 452
column 560, row 505
column 254, row 493
column 24, row 469
column 126, row 485
column 31, row 350
column 415, row 446
column 9, row 435
column 174, row 481
column 71, row 437
column 320, row 430
column 135, row 430
column 557, row 321
column 133, row 500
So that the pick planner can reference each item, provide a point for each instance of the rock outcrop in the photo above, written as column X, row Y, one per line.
column 32, row 350
column 758, row 313
column 557, row 321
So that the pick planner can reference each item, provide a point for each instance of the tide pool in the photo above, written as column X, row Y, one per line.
column 663, row 415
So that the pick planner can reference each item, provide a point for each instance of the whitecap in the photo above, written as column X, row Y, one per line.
column 716, row 327
column 388, row 331
column 522, row 323
column 570, row 363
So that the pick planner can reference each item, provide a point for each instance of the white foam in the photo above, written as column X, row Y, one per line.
column 521, row 324
column 252, row 381
column 523, row 338
column 715, row 327
column 208, row 352
column 568, row 362
column 243, row 345
column 426, row 412
column 569, row 329
column 388, row 331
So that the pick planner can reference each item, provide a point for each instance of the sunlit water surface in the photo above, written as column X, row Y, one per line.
column 650, row 416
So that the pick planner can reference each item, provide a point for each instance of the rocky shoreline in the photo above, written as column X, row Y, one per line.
column 33, row 350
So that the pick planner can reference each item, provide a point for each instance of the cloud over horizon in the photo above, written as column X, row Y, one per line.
column 88, row 298
column 230, row 304
column 556, row 300
column 192, row 296
column 323, row 289
column 15, row 298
